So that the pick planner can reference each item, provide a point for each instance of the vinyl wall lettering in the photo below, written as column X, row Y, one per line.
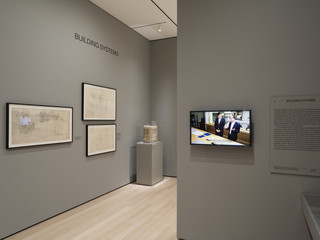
column 96, row 44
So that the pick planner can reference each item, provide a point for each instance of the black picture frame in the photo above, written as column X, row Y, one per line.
column 47, row 124
column 92, row 136
column 99, row 103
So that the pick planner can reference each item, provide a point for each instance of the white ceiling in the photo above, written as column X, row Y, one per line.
column 144, row 16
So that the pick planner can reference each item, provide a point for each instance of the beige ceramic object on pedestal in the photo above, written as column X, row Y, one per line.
column 150, row 134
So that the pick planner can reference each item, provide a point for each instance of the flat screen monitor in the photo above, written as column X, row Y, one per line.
column 221, row 128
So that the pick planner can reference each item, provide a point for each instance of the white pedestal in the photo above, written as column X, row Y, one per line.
column 149, row 163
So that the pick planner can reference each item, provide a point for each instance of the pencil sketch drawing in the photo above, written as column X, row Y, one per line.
column 101, row 139
column 36, row 125
column 99, row 103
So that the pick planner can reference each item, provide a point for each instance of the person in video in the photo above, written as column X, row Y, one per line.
column 233, row 128
column 219, row 125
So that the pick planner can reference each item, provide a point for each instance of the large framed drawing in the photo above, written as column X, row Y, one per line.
column 32, row 125
column 98, row 103
column 101, row 139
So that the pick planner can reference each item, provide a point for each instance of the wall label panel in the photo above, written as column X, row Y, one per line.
column 295, row 135
column 96, row 44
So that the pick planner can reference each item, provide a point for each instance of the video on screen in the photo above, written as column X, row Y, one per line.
column 221, row 128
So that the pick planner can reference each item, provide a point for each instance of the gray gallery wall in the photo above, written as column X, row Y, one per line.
column 163, row 99
column 41, row 62
column 237, row 54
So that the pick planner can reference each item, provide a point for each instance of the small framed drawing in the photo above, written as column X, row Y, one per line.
column 32, row 125
column 98, row 103
column 101, row 139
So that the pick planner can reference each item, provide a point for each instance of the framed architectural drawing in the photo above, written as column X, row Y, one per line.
column 98, row 103
column 101, row 139
column 33, row 125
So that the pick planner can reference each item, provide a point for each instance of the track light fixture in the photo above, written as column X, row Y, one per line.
column 153, row 24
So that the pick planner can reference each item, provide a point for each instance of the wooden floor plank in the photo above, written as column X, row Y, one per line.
column 133, row 212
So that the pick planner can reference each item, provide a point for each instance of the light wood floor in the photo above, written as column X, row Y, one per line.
column 133, row 212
